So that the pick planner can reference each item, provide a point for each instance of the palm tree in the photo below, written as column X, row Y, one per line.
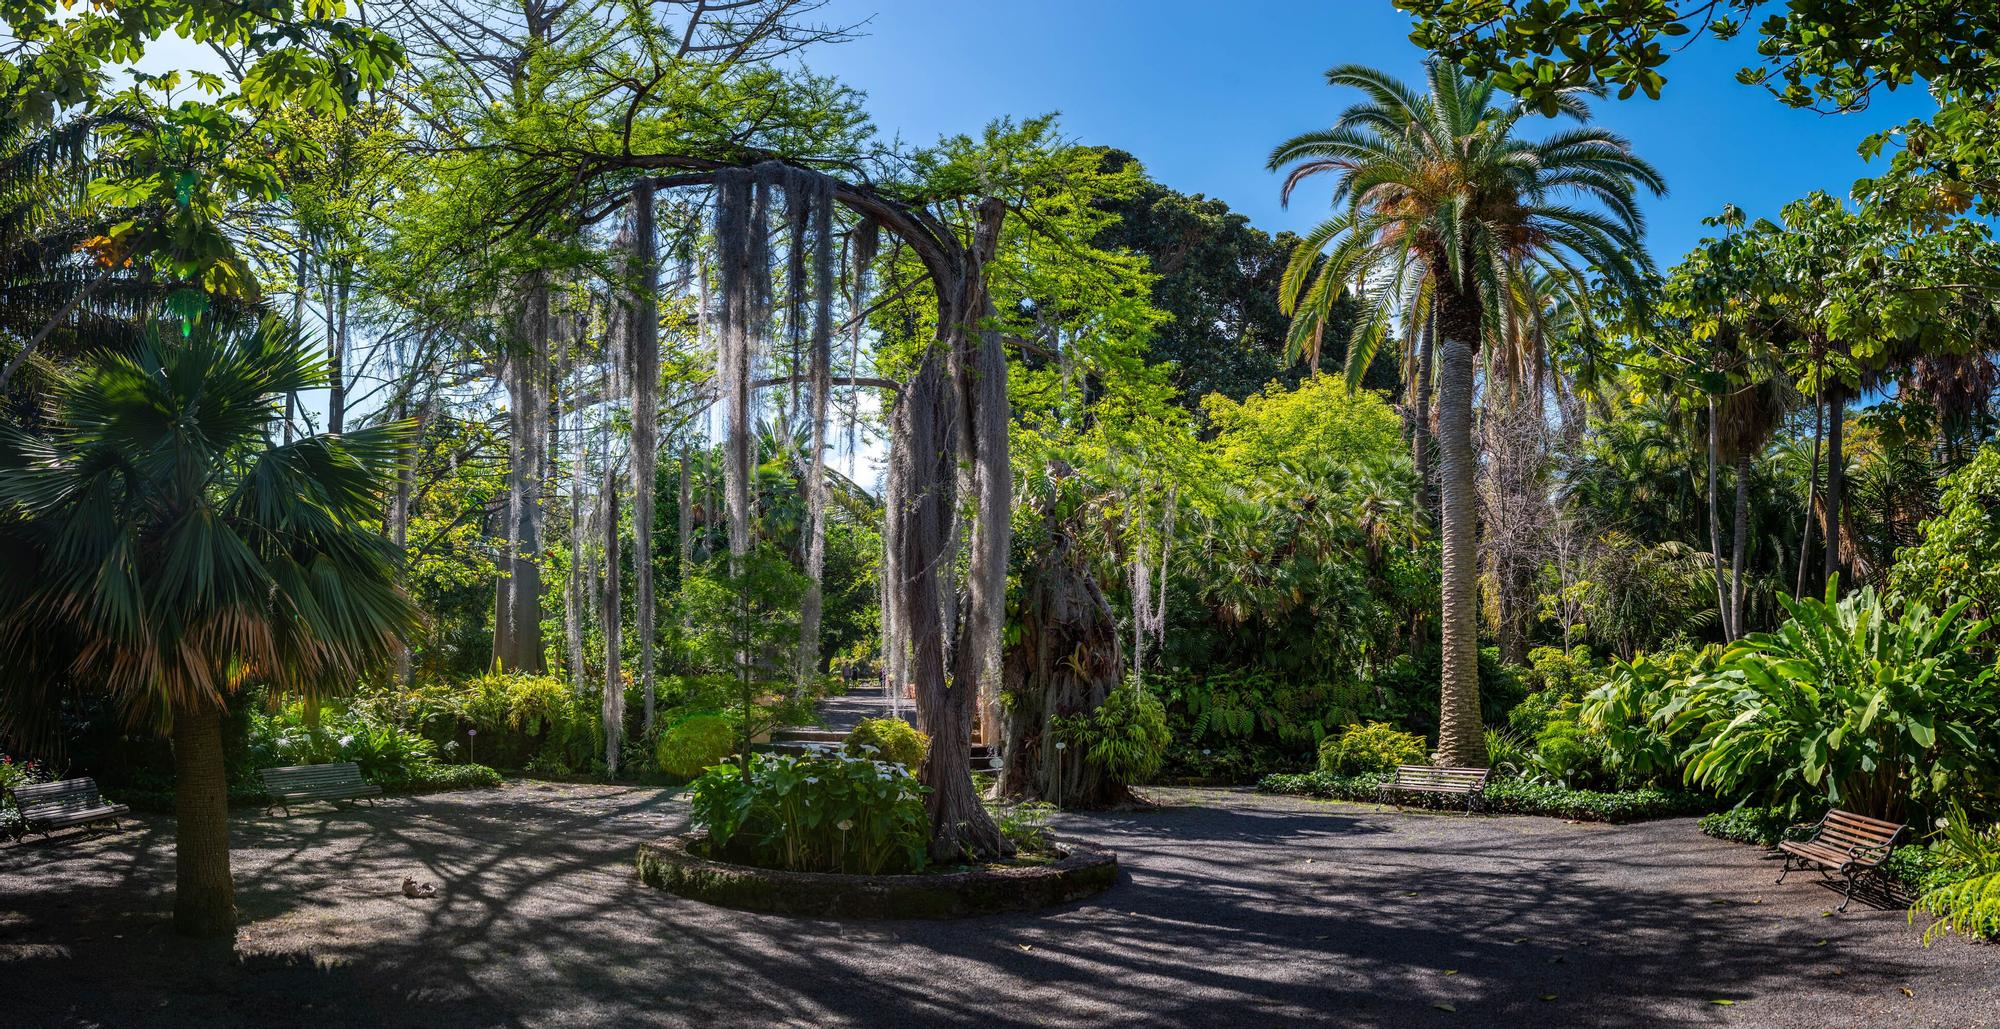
column 157, row 545
column 1436, row 186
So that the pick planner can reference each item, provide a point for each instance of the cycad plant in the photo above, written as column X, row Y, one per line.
column 1442, row 207
column 156, row 544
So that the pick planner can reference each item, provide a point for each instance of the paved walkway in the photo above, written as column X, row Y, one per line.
column 1234, row 909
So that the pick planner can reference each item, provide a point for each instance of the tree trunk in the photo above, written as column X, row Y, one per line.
column 204, row 896
column 1063, row 663
column 1812, row 493
column 336, row 352
column 1836, row 476
column 399, row 521
column 1461, row 732
column 645, row 340
column 960, row 826
column 1741, row 529
column 982, row 385
column 1722, row 592
column 517, row 635
column 613, row 710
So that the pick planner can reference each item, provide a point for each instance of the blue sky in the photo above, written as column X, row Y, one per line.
column 1201, row 91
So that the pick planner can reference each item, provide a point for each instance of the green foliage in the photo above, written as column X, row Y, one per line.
column 1626, row 709
column 380, row 749
column 1127, row 736
column 1963, row 896
column 1765, row 826
column 1319, row 422
column 434, row 777
column 1506, row 796
column 695, row 743
column 889, row 739
column 1376, row 747
column 1508, row 752
column 1862, row 703
column 1025, row 825
column 163, row 543
column 1957, row 556
column 1567, row 753
column 813, row 814
column 12, row 774
column 534, row 722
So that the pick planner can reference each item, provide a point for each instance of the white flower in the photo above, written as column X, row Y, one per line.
column 844, row 824
column 1062, row 746
column 347, row 740
column 1944, row 823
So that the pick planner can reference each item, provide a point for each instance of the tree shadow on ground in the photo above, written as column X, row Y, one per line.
column 1228, row 912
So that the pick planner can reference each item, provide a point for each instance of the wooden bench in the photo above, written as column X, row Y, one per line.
column 46, row 807
column 1842, row 844
column 1471, row 782
column 301, row 784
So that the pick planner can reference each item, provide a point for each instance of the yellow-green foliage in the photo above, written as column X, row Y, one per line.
column 1372, row 748
column 1320, row 421
column 695, row 743
column 893, row 739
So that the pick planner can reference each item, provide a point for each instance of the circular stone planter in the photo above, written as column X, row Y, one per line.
column 1082, row 871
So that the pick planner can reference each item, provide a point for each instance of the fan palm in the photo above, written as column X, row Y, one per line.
column 1436, row 186
column 157, row 545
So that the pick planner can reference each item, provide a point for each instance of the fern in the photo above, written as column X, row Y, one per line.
column 1970, row 904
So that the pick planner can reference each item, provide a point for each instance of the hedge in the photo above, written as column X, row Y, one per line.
column 1511, row 796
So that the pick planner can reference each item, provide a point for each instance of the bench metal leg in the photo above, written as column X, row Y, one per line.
column 1787, row 870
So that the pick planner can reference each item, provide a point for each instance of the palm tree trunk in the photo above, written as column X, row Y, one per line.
column 1812, row 490
column 1741, row 528
column 204, row 896
column 1722, row 608
column 1836, row 410
column 1461, row 733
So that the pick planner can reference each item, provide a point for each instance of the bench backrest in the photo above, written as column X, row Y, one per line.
column 1849, row 831
column 47, row 799
column 1425, row 777
column 294, row 777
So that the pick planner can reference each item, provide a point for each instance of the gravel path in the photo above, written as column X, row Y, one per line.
column 1234, row 909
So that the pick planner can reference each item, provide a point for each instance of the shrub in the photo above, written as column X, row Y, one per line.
column 1372, row 748
column 1025, row 825
column 1962, row 893
column 892, row 739
column 813, row 813
column 433, row 777
column 1958, row 555
column 12, row 774
column 1509, row 752
column 1127, row 735
column 1507, row 796
column 1862, row 703
column 1568, row 754
column 1630, row 711
column 695, row 743
column 382, row 750
column 1764, row 826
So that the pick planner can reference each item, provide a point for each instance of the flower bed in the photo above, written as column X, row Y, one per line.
column 674, row 865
